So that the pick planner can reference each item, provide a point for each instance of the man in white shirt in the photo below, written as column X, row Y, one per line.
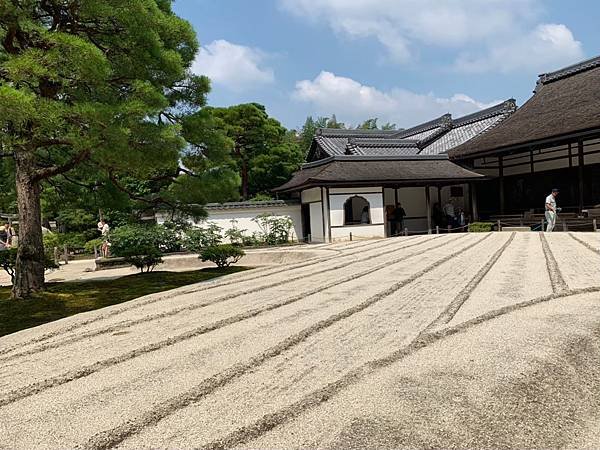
column 551, row 210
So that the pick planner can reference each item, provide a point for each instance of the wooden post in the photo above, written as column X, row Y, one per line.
column 428, row 206
column 594, row 224
column 564, row 223
column 501, row 182
column 437, row 229
column 580, row 162
column 350, row 237
column 474, row 210
column 405, row 231
column 499, row 226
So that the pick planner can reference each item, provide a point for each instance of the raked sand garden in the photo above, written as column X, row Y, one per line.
column 455, row 341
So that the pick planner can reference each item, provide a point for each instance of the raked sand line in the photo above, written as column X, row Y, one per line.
column 133, row 426
column 201, row 287
column 556, row 279
column 37, row 387
column 129, row 323
column 585, row 244
column 448, row 314
column 270, row 421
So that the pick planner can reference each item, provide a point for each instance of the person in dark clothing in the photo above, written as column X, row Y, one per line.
column 438, row 215
column 398, row 219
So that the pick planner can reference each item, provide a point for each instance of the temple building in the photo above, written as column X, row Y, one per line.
column 501, row 160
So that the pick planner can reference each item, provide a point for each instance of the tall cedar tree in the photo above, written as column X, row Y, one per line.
column 103, row 84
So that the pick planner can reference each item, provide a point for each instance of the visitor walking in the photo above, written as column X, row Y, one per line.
column 104, row 231
column 551, row 210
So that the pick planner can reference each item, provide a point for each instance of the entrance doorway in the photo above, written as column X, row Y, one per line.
column 305, row 212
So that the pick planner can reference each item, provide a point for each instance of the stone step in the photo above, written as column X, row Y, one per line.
column 508, row 229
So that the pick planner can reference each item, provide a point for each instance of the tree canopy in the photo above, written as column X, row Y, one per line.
column 102, row 90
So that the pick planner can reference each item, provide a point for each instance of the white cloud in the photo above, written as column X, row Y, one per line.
column 236, row 67
column 354, row 102
column 547, row 47
column 403, row 26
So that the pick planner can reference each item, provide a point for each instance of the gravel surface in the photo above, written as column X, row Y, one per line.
column 429, row 341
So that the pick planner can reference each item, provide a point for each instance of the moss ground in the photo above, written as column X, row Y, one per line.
column 68, row 298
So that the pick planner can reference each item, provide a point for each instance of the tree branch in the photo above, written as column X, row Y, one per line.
column 48, row 172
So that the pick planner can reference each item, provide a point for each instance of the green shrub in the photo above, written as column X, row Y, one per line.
column 480, row 227
column 222, row 255
column 198, row 238
column 51, row 240
column 8, row 260
column 91, row 244
column 139, row 245
column 274, row 229
column 169, row 239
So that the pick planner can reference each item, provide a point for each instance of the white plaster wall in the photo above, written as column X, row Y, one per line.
column 311, row 195
column 224, row 217
column 358, row 232
column 316, row 222
column 337, row 207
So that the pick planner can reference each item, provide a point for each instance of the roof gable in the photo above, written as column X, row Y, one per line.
column 565, row 102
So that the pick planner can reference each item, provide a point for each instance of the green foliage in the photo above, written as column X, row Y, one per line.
column 222, row 255
column 139, row 245
column 234, row 234
column 93, row 244
column 480, row 227
column 8, row 260
column 51, row 240
column 265, row 152
column 198, row 238
column 169, row 240
column 274, row 229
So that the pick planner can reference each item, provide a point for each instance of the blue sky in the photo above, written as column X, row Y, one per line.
column 403, row 61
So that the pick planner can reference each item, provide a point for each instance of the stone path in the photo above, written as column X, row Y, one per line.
column 287, row 355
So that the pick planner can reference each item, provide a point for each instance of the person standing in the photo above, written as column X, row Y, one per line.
column 399, row 215
column 10, row 233
column 3, row 239
column 104, row 230
column 551, row 210
column 450, row 214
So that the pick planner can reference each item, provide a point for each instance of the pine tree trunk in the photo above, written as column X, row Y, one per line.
column 29, row 276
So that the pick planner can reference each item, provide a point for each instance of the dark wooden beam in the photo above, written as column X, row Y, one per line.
column 501, row 182
column 428, row 206
column 580, row 163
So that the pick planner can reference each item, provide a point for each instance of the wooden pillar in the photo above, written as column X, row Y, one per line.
column 428, row 206
column 531, row 168
column 580, row 162
column 439, row 192
column 501, row 182
column 473, row 195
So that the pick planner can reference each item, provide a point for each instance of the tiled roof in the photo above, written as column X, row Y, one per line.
column 365, row 170
column 565, row 102
column 382, row 147
column 431, row 138
column 249, row 204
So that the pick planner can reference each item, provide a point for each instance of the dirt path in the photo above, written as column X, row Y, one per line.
column 246, row 360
